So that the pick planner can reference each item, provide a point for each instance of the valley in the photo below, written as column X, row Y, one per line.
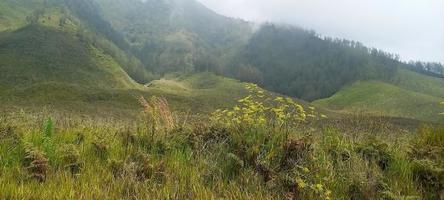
column 167, row 99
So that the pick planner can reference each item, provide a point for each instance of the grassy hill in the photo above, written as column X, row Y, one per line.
column 409, row 95
column 40, row 54
column 194, row 93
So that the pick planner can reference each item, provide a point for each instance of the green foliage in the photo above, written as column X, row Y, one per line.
column 428, row 151
column 48, row 128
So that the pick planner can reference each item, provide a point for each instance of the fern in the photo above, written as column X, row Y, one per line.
column 48, row 146
column 48, row 127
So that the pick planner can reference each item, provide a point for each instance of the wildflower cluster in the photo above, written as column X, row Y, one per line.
column 259, row 110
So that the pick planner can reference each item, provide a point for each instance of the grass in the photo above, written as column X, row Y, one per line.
column 48, row 156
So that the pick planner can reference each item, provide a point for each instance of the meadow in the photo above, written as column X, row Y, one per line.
column 264, row 147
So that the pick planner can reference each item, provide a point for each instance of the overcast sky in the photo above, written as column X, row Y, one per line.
column 414, row 29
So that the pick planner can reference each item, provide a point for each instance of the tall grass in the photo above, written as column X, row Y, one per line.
column 160, row 156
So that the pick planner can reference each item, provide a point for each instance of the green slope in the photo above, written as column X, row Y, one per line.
column 419, row 83
column 39, row 54
column 385, row 99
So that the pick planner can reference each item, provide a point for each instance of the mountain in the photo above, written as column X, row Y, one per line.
column 95, row 51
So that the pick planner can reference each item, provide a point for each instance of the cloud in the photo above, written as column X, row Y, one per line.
column 414, row 29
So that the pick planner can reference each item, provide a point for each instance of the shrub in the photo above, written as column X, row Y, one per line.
column 100, row 147
column 71, row 159
column 430, row 178
column 36, row 163
column 375, row 151
column 258, row 111
column 139, row 167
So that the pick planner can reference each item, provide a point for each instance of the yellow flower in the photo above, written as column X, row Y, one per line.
column 301, row 183
column 306, row 170
column 280, row 99
column 289, row 100
column 318, row 187
column 327, row 192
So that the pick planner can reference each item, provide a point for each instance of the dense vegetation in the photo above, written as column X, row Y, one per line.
column 301, row 64
column 267, row 147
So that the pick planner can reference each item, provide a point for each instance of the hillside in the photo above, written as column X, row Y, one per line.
column 409, row 95
column 300, row 63
column 40, row 54
column 99, row 54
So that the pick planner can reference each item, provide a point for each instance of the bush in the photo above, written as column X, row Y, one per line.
column 36, row 163
column 430, row 178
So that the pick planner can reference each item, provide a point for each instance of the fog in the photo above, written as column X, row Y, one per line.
column 414, row 29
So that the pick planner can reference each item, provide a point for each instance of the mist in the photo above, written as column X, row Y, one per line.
column 413, row 29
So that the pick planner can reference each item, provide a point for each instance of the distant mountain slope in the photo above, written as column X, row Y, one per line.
column 300, row 63
column 175, row 35
column 410, row 95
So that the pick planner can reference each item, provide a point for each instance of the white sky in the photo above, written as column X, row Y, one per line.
column 414, row 29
